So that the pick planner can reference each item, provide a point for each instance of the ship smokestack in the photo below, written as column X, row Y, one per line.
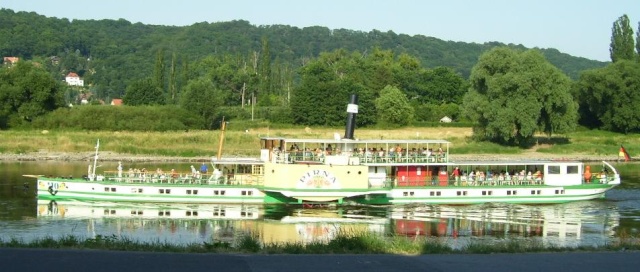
column 352, row 111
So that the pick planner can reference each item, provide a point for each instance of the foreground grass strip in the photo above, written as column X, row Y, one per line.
column 342, row 243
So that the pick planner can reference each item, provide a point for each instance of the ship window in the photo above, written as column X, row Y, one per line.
column 246, row 214
column 572, row 169
column 161, row 191
column 188, row 192
column 106, row 189
column 406, row 193
column 113, row 189
column 168, row 191
column 515, row 192
column 432, row 193
column 164, row 213
column 411, row 193
column 190, row 213
column 533, row 192
column 438, row 193
column 217, row 212
column 508, row 192
column 538, row 192
column 136, row 212
column 108, row 212
column 195, row 192
column 554, row 169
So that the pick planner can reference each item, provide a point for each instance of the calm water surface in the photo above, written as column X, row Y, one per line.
column 23, row 217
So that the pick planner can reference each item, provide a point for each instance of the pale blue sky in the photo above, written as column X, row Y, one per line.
column 577, row 27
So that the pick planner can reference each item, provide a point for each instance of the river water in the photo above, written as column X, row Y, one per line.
column 585, row 223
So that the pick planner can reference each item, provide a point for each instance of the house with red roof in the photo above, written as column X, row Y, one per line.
column 10, row 60
column 116, row 102
column 73, row 79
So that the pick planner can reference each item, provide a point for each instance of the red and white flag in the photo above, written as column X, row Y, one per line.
column 623, row 153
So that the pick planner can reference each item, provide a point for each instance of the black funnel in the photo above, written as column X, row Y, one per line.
column 352, row 111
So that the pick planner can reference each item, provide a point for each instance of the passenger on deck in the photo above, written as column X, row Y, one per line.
column 472, row 176
column 537, row 176
column 203, row 168
column 587, row 174
column 194, row 173
column 603, row 176
column 174, row 174
column 119, row 169
column 456, row 175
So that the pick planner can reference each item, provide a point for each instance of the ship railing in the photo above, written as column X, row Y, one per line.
column 599, row 178
column 230, row 179
column 393, row 182
column 292, row 157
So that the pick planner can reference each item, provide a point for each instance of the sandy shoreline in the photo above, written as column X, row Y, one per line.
column 112, row 156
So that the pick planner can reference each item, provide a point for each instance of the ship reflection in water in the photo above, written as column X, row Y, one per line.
column 572, row 224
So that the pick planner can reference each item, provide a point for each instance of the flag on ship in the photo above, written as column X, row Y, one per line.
column 623, row 153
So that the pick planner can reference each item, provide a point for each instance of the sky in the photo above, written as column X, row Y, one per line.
column 580, row 28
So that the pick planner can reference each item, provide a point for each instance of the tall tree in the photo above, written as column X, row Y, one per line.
column 143, row 92
column 158, row 71
column 264, row 72
column 515, row 94
column 202, row 98
column 27, row 91
column 622, row 45
column 638, row 42
column 172, row 80
column 610, row 95
column 393, row 107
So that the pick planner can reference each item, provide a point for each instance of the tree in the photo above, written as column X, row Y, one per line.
column 393, row 107
column 326, row 84
column 172, row 80
column 622, row 45
column 27, row 91
column 610, row 95
column 515, row 94
column 638, row 42
column 158, row 72
column 264, row 73
column 143, row 92
column 202, row 98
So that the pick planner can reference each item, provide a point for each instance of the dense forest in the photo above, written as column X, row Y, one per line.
column 299, row 76
column 111, row 54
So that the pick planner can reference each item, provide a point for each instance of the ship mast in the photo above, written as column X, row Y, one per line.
column 222, row 128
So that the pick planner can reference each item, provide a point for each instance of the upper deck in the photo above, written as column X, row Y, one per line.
column 354, row 152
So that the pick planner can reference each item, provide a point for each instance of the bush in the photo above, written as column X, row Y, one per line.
column 139, row 118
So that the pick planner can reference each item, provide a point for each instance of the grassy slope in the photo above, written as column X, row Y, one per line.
column 239, row 143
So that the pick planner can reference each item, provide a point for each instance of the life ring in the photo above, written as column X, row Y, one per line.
column 51, row 191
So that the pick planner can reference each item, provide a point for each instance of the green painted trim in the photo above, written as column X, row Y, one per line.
column 278, row 198
column 42, row 192
column 279, row 189
column 162, row 185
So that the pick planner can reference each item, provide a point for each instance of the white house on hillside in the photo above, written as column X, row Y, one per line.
column 73, row 79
